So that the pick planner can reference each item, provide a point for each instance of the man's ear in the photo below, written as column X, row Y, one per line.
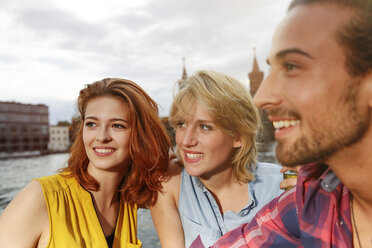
column 238, row 141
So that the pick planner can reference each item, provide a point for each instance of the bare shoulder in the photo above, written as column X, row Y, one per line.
column 31, row 196
column 171, row 184
column 172, row 181
column 165, row 212
column 26, row 214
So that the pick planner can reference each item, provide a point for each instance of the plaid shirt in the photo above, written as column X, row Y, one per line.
column 315, row 213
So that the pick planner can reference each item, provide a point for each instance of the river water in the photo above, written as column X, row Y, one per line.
column 17, row 172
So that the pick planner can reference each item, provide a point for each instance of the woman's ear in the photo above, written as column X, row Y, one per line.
column 237, row 141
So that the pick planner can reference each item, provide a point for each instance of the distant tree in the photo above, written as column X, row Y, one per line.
column 169, row 128
column 63, row 124
column 74, row 128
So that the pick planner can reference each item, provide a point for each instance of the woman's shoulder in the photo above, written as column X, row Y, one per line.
column 267, row 183
column 56, row 182
column 173, row 174
column 27, row 212
column 32, row 189
column 263, row 168
column 268, row 174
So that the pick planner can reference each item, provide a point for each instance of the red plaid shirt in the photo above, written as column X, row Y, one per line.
column 315, row 213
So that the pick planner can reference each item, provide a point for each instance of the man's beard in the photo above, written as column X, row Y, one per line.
column 346, row 125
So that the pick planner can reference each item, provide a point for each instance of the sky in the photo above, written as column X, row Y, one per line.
column 50, row 49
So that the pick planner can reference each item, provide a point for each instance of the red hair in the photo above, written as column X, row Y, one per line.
column 149, row 142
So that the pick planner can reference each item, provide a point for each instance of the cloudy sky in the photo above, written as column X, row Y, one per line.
column 49, row 49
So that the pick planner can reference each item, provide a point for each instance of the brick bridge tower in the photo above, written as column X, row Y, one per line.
column 255, row 77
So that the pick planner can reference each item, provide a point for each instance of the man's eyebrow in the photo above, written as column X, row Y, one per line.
column 283, row 53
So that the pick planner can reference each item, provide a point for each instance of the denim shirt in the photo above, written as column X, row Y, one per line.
column 199, row 211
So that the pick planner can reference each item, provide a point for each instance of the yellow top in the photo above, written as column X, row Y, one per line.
column 73, row 220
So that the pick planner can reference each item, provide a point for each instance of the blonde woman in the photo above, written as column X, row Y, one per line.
column 219, row 185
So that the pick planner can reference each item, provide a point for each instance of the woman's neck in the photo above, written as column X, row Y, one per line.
column 218, row 181
column 229, row 193
column 109, row 182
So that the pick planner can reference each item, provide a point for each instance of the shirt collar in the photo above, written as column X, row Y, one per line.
column 199, row 184
column 329, row 181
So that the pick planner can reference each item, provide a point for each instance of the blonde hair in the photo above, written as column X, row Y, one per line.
column 230, row 106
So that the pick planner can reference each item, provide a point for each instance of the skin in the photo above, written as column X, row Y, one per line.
column 105, row 126
column 199, row 136
column 289, row 182
column 308, row 83
column 165, row 214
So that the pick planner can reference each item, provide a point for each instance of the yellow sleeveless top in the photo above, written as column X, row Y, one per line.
column 73, row 220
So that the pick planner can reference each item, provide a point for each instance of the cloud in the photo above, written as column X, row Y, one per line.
column 60, row 110
column 55, row 22
column 52, row 48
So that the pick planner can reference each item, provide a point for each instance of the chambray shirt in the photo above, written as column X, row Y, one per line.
column 199, row 211
column 315, row 213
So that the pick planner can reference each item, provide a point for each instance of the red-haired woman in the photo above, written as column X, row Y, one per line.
column 116, row 162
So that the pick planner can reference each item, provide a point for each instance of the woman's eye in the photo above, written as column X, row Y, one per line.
column 181, row 124
column 90, row 124
column 205, row 127
column 119, row 126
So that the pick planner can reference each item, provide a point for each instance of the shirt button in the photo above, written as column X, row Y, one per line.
column 326, row 185
column 341, row 223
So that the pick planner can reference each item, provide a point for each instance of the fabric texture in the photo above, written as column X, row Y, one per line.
column 314, row 214
column 199, row 211
column 73, row 219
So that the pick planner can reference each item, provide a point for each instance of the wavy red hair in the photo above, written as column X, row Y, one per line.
column 149, row 142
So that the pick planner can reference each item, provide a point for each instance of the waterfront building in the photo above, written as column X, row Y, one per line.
column 24, row 129
column 59, row 138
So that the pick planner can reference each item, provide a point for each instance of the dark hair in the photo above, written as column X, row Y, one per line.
column 355, row 35
column 148, row 145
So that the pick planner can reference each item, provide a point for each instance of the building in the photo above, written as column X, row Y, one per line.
column 184, row 73
column 255, row 77
column 59, row 138
column 24, row 129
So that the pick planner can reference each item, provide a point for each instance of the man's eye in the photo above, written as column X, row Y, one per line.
column 290, row 67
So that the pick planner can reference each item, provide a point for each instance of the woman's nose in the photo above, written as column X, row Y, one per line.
column 103, row 134
column 189, row 137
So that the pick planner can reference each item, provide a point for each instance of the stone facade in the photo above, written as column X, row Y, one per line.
column 59, row 138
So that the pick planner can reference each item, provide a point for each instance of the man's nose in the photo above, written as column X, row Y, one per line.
column 268, row 94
